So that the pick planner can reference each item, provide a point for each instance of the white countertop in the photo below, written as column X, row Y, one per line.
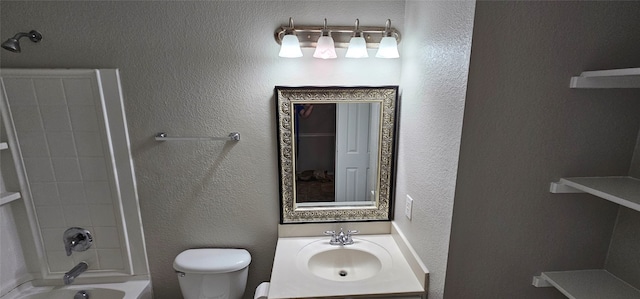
column 288, row 281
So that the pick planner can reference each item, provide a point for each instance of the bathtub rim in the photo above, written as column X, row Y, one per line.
column 133, row 289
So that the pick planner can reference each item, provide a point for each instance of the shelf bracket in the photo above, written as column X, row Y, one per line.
column 540, row 282
column 618, row 78
column 562, row 188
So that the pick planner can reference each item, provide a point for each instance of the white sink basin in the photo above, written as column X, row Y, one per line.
column 358, row 261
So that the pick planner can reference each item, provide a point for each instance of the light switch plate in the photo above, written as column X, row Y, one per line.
column 408, row 207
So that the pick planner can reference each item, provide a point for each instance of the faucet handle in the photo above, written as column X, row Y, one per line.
column 331, row 233
column 76, row 239
column 349, row 240
column 334, row 237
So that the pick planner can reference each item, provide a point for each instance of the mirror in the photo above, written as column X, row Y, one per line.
column 336, row 152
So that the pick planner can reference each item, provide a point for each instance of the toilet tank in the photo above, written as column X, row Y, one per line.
column 212, row 273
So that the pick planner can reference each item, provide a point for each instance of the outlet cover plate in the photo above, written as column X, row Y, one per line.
column 408, row 207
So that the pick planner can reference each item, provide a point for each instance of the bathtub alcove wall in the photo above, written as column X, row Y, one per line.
column 72, row 166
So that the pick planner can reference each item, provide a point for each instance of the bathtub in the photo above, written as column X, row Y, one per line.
column 135, row 289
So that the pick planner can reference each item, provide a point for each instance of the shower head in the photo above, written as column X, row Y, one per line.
column 13, row 44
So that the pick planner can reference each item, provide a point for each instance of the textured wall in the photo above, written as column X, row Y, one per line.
column 523, row 128
column 199, row 68
column 434, row 78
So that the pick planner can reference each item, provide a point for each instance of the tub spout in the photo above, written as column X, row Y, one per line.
column 70, row 276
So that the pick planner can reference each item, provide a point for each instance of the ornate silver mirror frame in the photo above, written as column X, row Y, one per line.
column 286, row 99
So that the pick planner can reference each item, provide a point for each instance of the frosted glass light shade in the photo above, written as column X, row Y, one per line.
column 357, row 48
column 388, row 48
column 290, row 47
column 325, row 48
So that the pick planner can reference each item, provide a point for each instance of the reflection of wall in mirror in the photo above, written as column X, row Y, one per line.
column 315, row 137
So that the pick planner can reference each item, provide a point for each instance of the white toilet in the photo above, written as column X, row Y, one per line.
column 212, row 273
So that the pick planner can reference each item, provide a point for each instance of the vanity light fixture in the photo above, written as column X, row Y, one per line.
column 357, row 44
column 325, row 48
column 290, row 47
column 388, row 45
column 321, row 37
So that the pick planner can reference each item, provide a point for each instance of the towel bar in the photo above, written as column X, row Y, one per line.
column 235, row 136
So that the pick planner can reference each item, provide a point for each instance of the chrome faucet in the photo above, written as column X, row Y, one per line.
column 81, row 295
column 341, row 238
column 70, row 276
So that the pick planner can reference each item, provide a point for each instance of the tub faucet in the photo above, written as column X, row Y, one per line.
column 81, row 295
column 70, row 276
column 341, row 238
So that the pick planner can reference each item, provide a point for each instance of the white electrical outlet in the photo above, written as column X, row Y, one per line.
column 408, row 207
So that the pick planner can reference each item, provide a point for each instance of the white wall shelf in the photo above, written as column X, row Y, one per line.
column 587, row 284
column 618, row 78
column 7, row 197
column 622, row 190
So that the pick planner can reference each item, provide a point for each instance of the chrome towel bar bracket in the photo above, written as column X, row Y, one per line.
column 233, row 136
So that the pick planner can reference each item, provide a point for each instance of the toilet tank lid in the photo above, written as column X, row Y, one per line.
column 211, row 260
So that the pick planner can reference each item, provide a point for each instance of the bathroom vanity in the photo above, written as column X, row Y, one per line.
column 337, row 155
column 379, row 264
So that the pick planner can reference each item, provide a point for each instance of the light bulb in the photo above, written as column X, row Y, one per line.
column 325, row 48
column 290, row 47
column 388, row 48
column 357, row 48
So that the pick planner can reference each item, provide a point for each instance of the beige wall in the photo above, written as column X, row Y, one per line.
column 199, row 68
column 523, row 128
column 434, row 78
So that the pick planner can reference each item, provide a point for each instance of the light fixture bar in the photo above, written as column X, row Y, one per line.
column 309, row 35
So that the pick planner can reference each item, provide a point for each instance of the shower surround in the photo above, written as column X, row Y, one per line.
column 68, row 138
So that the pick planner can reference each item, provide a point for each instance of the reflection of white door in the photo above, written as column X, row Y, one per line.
column 352, row 151
column 374, row 140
